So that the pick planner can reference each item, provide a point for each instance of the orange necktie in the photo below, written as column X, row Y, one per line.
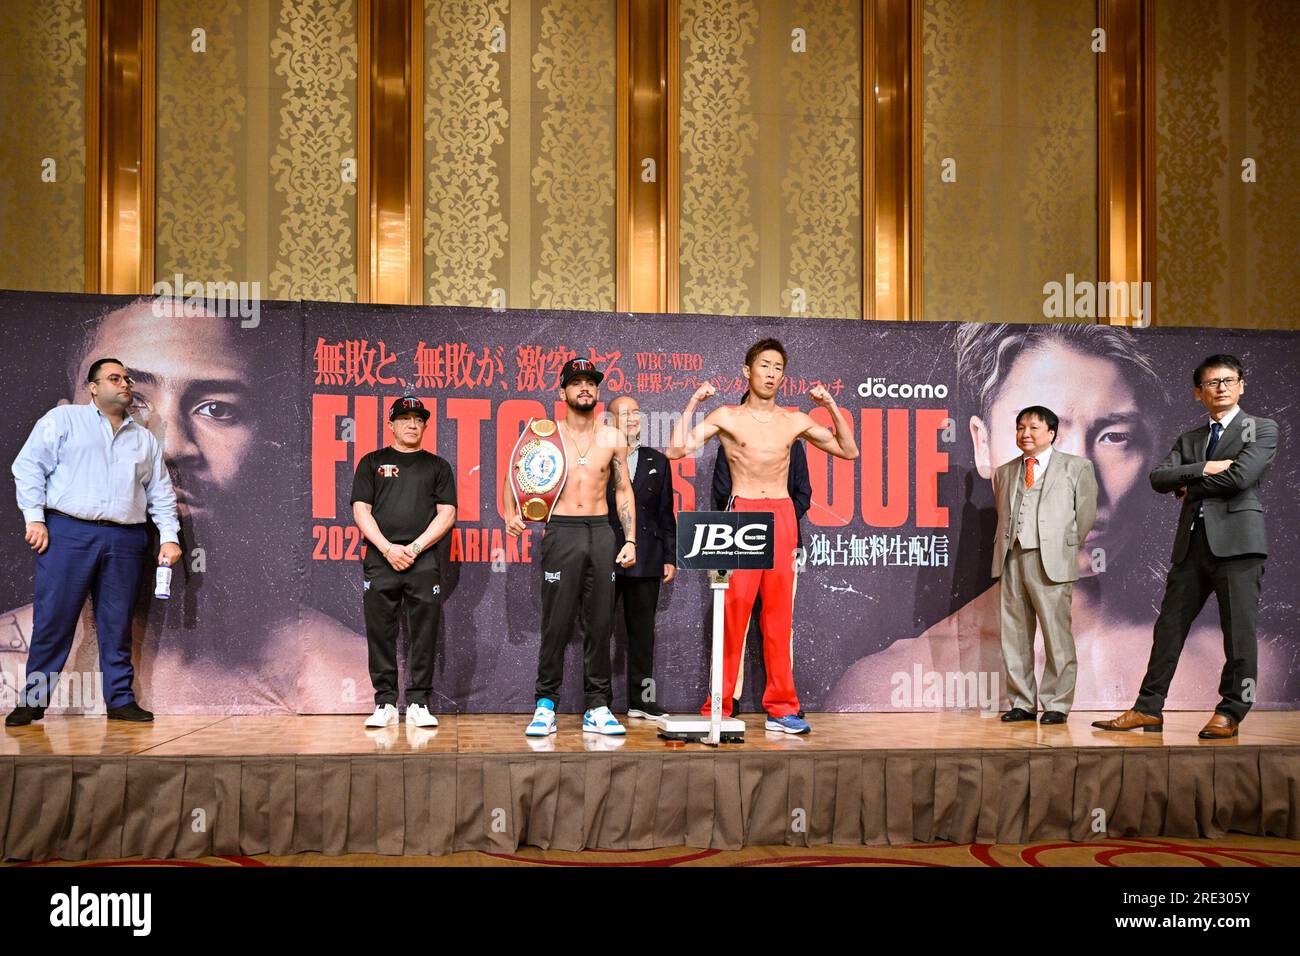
column 1029, row 472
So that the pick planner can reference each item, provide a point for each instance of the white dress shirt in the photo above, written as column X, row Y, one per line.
column 1225, row 421
column 73, row 462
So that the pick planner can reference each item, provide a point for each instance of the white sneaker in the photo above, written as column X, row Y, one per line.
column 419, row 715
column 601, row 721
column 384, row 715
column 543, row 723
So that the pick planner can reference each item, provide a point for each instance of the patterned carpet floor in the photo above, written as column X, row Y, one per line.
column 1119, row 852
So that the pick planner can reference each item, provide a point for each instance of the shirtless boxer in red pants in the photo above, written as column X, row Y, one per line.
column 756, row 438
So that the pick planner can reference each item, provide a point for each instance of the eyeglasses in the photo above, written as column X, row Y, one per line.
column 1214, row 383
column 115, row 379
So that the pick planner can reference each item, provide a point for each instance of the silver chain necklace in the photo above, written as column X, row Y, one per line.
column 582, row 455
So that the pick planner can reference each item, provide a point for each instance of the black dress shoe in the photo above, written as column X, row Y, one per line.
column 22, row 716
column 646, row 711
column 131, row 711
column 1016, row 713
column 1052, row 717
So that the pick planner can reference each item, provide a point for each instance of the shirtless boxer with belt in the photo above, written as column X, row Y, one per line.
column 577, row 554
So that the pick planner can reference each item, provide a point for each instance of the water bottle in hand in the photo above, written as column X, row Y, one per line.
column 162, row 581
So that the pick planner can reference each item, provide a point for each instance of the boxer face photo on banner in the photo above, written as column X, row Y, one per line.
column 217, row 397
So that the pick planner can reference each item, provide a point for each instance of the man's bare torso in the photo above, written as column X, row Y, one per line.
column 584, row 487
column 757, row 446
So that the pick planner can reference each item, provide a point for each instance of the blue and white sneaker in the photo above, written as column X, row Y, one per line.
column 543, row 723
column 601, row 721
column 791, row 724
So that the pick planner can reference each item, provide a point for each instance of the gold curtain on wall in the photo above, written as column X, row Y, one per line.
column 256, row 147
column 1227, row 91
column 771, row 157
column 257, row 137
column 1010, row 111
column 519, row 129
column 43, row 160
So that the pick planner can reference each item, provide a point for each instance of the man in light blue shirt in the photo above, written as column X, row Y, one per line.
column 87, row 478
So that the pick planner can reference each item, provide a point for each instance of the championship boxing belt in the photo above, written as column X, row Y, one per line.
column 538, row 468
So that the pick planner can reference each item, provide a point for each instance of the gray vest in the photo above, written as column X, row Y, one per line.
column 1025, row 508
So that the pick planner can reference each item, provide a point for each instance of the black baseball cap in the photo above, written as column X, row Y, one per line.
column 404, row 406
column 576, row 367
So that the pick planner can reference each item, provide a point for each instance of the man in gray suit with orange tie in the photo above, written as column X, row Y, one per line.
column 1220, row 547
column 1047, row 503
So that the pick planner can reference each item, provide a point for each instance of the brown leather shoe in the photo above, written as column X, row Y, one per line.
column 1131, row 720
column 1220, row 727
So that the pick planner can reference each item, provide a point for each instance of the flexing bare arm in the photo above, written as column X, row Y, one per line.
column 838, row 439
column 682, row 442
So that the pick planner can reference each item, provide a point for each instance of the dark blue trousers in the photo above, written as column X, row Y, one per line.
column 104, row 561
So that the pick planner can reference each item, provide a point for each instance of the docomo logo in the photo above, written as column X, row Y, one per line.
column 721, row 538
column 880, row 388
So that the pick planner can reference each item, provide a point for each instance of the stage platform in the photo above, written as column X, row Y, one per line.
column 183, row 787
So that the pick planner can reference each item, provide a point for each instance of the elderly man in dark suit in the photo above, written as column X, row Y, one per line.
column 1220, row 547
column 656, row 555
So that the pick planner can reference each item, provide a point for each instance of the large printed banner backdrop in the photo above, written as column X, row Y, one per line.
column 263, row 420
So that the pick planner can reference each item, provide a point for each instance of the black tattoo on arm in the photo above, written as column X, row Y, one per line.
column 624, row 511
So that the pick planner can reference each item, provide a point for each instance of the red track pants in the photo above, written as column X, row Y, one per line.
column 776, row 619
